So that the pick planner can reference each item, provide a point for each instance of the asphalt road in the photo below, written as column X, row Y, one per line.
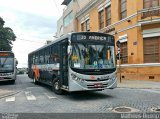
column 24, row 97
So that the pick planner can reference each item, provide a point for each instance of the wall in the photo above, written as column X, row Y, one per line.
column 133, row 28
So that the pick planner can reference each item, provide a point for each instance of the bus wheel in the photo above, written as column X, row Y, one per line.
column 56, row 87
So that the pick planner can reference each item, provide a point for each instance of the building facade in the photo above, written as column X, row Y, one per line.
column 68, row 23
column 136, row 24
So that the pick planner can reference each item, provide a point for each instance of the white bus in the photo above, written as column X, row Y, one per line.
column 8, row 65
column 80, row 61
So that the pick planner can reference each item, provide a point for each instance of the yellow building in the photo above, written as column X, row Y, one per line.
column 136, row 24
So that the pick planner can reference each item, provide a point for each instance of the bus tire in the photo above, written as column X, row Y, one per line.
column 56, row 87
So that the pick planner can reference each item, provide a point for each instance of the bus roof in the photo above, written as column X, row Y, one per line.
column 7, row 51
column 62, row 38
column 55, row 41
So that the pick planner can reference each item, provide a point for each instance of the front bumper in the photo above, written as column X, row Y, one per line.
column 87, row 85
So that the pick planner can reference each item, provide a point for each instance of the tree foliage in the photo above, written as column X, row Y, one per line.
column 7, row 36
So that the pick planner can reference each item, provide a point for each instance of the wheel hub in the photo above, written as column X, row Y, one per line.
column 56, row 85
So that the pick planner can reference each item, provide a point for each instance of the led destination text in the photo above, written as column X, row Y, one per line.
column 83, row 37
column 92, row 37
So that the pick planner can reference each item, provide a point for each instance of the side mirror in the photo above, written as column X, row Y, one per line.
column 69, row 49
column 118, row 43
column 16, row 62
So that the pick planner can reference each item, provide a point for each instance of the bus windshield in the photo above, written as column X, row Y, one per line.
column 92, row 56
column 6, row 64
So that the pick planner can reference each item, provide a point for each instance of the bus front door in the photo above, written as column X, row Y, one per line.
column 64, row 63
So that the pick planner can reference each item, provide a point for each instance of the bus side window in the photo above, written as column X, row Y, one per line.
column 50, row 59
column 54, row 57
column 36, row 59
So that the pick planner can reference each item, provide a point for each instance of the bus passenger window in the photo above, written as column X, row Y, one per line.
column 55, row 58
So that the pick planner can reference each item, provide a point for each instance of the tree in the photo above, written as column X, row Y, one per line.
column 7, row 36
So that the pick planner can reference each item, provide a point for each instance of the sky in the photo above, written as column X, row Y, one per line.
column 33, row 22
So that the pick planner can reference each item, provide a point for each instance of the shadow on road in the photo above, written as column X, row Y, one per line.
column 2, row 83
column 87, row 95
column 79, row 95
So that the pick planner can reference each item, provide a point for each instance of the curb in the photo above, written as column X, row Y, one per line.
column 10, row 94
column 138, row 88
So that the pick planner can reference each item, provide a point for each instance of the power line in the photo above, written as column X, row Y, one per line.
column 30, row 40
column 56, row 7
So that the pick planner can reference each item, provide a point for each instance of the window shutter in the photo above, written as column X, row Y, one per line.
column 124, row 52
column 152, row 50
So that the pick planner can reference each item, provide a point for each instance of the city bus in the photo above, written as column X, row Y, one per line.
column 8, row 67
column 81, row 61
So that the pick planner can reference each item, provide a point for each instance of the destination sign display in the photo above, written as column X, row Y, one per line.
column 93, row 37
column 6, row 54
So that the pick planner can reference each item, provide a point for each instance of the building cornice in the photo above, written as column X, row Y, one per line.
column 66, row 2
column 139, row 23
column 141, row 65
column 119, row 22
column 145, row 22
column 87, row 7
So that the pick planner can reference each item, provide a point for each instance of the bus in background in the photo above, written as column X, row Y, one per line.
column 8, row 65
column 80, row 61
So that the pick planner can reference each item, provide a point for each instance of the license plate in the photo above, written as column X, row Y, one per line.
column 98, row 85
column 1, row 78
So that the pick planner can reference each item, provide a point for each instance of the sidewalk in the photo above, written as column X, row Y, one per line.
column 138, row 84
column 4, row 93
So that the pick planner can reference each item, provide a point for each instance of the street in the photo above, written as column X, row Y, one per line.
column 26, row 97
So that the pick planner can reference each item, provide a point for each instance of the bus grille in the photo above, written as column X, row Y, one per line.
column 7, row 78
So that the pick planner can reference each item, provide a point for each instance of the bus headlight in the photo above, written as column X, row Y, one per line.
column 74, row 77
column 6, row 74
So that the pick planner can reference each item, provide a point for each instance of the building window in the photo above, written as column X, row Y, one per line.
column 124, row 52
column 108, row 15
column 101, row 19
column 85, row 26
column 68, row 19
column 88, row 25
column 123, row 9
column 151, row 3
column 151, row 49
